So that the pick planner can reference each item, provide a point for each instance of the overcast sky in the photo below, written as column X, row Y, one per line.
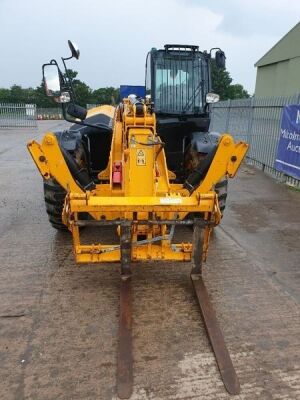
column 115, row 35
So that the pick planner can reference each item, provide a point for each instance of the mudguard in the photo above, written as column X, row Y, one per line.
column 71, row 138
column 68, row 139
column 204, row 142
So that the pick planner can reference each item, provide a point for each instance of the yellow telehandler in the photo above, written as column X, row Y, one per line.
column 144, row 167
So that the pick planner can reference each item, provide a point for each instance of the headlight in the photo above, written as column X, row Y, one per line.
column 212, row 98
column 63, row 98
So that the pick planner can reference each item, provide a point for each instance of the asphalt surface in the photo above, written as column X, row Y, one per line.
column 59, row 322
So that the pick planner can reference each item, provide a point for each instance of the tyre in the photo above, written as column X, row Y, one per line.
column 221, row 189
column 54, row 196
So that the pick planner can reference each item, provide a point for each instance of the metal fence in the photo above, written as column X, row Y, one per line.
column 26, row 115
column 17, row 115
column 55, row 112
column 257, row 121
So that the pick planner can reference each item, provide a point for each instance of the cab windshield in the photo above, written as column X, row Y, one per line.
column 180, row 83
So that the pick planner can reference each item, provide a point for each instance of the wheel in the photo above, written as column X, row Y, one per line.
column 221, row 189
column 54, row 196
column 192, row 160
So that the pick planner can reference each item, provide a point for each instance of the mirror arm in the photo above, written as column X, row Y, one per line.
column 67, row 58
column 72, row 91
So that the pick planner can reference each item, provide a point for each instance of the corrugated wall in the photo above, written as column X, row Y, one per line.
column 257, row 121
column 278, row 79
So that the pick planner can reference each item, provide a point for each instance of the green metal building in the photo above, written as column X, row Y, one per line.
column 278, row 71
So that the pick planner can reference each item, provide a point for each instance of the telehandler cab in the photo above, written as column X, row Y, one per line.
column 145, row 167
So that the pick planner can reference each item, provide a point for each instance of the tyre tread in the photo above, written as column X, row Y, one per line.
column 54, row 196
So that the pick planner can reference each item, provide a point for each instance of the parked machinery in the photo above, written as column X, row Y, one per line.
column 145, row 167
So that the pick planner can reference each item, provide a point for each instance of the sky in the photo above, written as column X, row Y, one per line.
column 114, row 36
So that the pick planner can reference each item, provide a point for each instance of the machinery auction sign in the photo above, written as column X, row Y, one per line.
column 288, row 153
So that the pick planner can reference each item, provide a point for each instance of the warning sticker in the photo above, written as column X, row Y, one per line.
column 140, row 157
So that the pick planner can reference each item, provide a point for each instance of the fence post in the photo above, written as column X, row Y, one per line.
column 250, row 123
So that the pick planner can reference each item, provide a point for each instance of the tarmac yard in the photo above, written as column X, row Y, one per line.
column 59, row 322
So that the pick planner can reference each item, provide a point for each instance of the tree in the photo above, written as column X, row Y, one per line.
column 83, row 93
column 221, row 84
column 4, row 95
column 237, row 91
column 108, row 95
column 41, row 100
column 17, row 94
column 70, row 74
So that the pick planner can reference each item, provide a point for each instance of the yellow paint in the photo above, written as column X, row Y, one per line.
column 105, row 109
column 145, row 191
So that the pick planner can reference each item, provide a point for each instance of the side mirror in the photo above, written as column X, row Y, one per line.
column 74, row 49
column 212, row 98
column 220, row 59
column 51, row 79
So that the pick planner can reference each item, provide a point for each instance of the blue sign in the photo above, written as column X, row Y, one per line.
column 288, row 153
column 126, row 90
